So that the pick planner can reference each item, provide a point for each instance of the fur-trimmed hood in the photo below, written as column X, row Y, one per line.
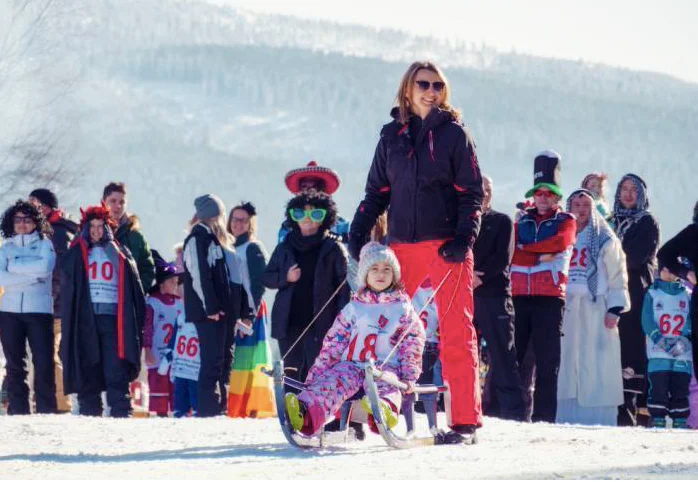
column 130, row 222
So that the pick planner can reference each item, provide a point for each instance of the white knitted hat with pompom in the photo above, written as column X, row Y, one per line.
column 374, row 253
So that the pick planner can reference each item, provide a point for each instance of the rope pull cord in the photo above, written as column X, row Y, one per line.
column 409, row 327
column 341, row 285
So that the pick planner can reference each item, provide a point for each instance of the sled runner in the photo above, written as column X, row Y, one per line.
column 390, row 437
column 345, row 435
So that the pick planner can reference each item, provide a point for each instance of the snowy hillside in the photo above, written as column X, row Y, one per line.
column 184, row 97
column 66, row 446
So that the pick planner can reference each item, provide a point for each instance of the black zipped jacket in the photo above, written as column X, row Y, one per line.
column 493, row 251
column 207, row 287
column 426, row 174
column 64, row 229
column 330, row 273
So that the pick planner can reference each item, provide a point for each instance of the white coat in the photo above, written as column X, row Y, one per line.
column 590, row 366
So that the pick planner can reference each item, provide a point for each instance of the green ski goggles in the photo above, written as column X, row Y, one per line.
column 315, row 215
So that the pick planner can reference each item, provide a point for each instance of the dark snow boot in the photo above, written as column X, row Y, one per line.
column 358, row 430
column 448, row 438
column 468, row 432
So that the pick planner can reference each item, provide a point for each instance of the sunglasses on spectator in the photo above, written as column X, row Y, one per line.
column 544, row 193
column 424, row 85
column 241, row 220
column 23, row 220
column 315, row 215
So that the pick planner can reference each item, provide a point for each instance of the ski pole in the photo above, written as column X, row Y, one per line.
column 409, row 327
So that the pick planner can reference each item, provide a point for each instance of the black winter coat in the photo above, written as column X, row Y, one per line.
column 331, row 271
column 207, row 287
column 427, row 175
column 684, row 245
column 79, row 350
column 640, row 244
column 64, row 230
column 493, row 251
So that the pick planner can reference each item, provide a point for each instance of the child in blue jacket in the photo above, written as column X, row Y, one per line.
column 667, row 323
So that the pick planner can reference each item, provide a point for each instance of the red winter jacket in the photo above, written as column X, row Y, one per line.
column 535, row 236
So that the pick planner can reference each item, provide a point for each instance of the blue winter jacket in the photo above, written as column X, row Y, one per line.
column 676, row 328
column 26, row 268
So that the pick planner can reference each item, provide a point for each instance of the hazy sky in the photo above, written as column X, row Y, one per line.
column 657, row 35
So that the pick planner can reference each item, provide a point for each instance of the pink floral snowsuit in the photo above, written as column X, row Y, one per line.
column 368, row 327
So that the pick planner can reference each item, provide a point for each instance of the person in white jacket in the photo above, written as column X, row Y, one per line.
column 590, row 383
column 27, row 260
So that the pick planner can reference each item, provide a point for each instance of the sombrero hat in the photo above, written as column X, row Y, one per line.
column 312, row 170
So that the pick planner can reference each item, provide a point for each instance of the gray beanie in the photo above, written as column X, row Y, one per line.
column 208, row 206
column 374, row 253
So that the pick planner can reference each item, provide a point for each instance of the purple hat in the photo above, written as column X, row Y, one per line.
column 163, row 270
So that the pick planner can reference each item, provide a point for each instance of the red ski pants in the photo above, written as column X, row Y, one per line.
column 458, row 340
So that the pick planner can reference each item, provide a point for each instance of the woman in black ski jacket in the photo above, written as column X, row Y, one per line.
column 426, row 175
column 685, row 245
column 307, row 268
column 211, row 300
column 638, row 230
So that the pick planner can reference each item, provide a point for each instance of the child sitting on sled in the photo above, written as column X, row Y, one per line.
column 366, row 329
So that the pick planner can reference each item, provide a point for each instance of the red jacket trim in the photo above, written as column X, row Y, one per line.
column 85, row 257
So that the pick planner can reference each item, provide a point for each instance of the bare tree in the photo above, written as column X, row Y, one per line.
column 36, row 83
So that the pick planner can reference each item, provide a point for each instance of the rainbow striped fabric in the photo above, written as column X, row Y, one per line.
column 250, row 393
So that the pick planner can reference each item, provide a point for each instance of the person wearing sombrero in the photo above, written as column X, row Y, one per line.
column 102, row 311
column 161, row 312
column 544, row 237
column 308, row 269
column 315, row 178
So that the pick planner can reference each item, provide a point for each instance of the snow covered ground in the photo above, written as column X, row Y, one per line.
column 66, row 446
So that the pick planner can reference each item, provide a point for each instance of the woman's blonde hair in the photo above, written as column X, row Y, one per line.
column 402, row 100
column 217, row 225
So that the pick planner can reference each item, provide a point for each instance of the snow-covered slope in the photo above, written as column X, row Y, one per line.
column 66, row 446
column 184, row 97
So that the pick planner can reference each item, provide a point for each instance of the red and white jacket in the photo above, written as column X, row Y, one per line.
column 536, row 235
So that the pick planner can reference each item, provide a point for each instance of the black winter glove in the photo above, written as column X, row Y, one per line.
column 455, row 251
column 356, row 242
